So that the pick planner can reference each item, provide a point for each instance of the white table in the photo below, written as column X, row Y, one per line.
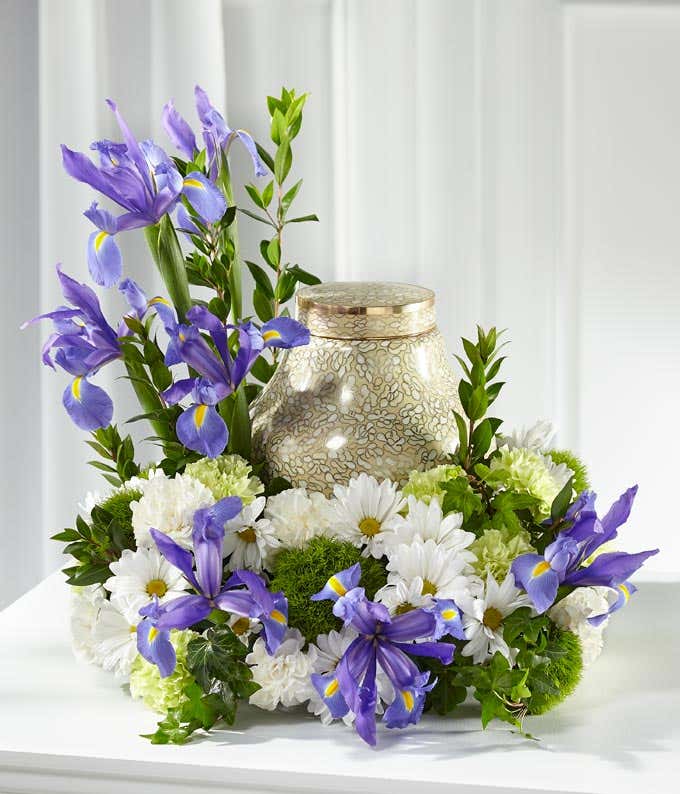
column 67, row 727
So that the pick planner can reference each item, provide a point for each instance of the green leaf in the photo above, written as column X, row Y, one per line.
column 261, row 279
column 283, row 161
column 254, row 194
column 240, row 428
column 303, row 219
column 465, row 394
column 478, row 403
column 266, row 158
column 274, row 252
column 256, row 217
column 462, row 430
column 263, row 306
column 288, row 197
column 303, row 276
column 268, row 193
column 471, row 351
column 171, row 265
column 562, row 501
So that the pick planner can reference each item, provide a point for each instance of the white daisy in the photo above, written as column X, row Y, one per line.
column 297, row 517
column 427, row 522
column 145, row 573
column 439, row 573
column 364, row 510
column 168, row 504
column 283, row 677
column 572, row 613
column 250, row 540
column 483, row 617
column 85, row 604
column 329, row 649
column 243, row 627
column 115, row 634
column 403, row 596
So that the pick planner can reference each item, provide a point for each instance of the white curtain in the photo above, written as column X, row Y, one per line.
column 444, row 143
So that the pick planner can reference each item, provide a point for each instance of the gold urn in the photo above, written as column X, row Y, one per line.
column 373, row 391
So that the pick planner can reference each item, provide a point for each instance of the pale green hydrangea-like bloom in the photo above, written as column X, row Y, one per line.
column 495, row 550
column 426, row 484
column 227, row 475
column 526, row 471
column 160, row 694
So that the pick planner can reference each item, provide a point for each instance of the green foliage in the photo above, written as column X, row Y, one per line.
column 581, row 478
column 222, row 679
column 302, row 572
column 477, row 390
column 119, row 454
column 97, row 544
column 562, row 673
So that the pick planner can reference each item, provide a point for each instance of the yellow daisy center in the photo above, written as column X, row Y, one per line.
column 241, row 626
column 369, row 526
column 156, row 587
column 402, row 609
column 492, row 618
column 429, row 588
column 247, row 535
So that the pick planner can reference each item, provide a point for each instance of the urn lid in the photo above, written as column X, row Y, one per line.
column 365, row 309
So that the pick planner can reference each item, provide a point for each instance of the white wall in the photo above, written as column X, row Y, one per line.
column 518, row 156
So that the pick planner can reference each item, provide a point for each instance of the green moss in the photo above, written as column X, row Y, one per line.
column 302, row 572
column 581, row 479
column 564, row 672
column 118, row 506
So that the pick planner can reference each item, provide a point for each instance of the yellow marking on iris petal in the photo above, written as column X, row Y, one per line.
column 153, row 633
column 182, row 337
column 156, row 587
column 540, row 569
column 279, row 617
column 194, row 183
column 75, row 387
column 337, row 586
column 331, row 689
column 158, row 299
column 449, row 614
column 625, row 591
column 271, row 334
column 409, row 701
column 99, row 239
column 199, row 416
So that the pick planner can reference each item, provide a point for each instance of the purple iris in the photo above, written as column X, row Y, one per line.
column 143, row 180
column 218, row 136
column 200, row 427
column 384, row 642
column 243, row 594
column 563, row 560
column 154, row 643
column 84, row 343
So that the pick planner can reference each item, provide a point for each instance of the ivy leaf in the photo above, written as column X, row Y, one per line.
column 460, row 498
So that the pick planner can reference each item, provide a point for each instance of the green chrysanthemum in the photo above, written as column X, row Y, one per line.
column 118, row 506
column 526, row 471
column 302, row 572
column 564, row 672
column 426, row 484
column 161, row 694
column 581, row 478
column 227, row 475
column 496, row 549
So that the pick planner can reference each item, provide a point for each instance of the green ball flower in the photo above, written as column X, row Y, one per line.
column 227, row 475
column 301, row 573
column 118, row 506
column 563, row 672
column 161, row 694
column 496, row 549
column 581, row 478
column 426, row 484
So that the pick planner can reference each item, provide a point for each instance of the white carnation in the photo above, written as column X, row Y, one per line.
column 168, row 504
column 572, row 613
column 297, row 517
column 85, row 603
column 284, row 678
column 538, row 437
column 94, row 498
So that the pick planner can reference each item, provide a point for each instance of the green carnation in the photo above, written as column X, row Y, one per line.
column 581, row 478
column 118, row 506
column 161, row 694
column 426, row 484
column 302, row 572
column 563, row 672
column 526, row 471
column 496, row 549
column 227, row 475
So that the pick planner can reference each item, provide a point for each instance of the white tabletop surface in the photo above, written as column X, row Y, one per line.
column 68, row 727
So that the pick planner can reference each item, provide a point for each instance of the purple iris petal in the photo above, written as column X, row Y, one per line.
column 185, row 611
column 610, row 569
column 202, row 429
column 104, row 259
column 89, row 406
column 329, row 690
column 207, row 537
column 534, row 573
column 407, row 706
column 284, row 332
column 250, row 347
column 154, row 643
column 179, row 131
column 204, row 197
column 185, row 222
column 399, row 668
column 178, row 391
column 339, row 584
column 175, row 555
column 443, row 651
column 623, row 591
column 413, row 625
column 448, row 617
column 135, row 296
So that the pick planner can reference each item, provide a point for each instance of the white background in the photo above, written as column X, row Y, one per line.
column 518, row 156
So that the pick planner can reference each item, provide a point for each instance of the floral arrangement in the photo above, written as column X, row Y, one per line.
column 202, row 587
